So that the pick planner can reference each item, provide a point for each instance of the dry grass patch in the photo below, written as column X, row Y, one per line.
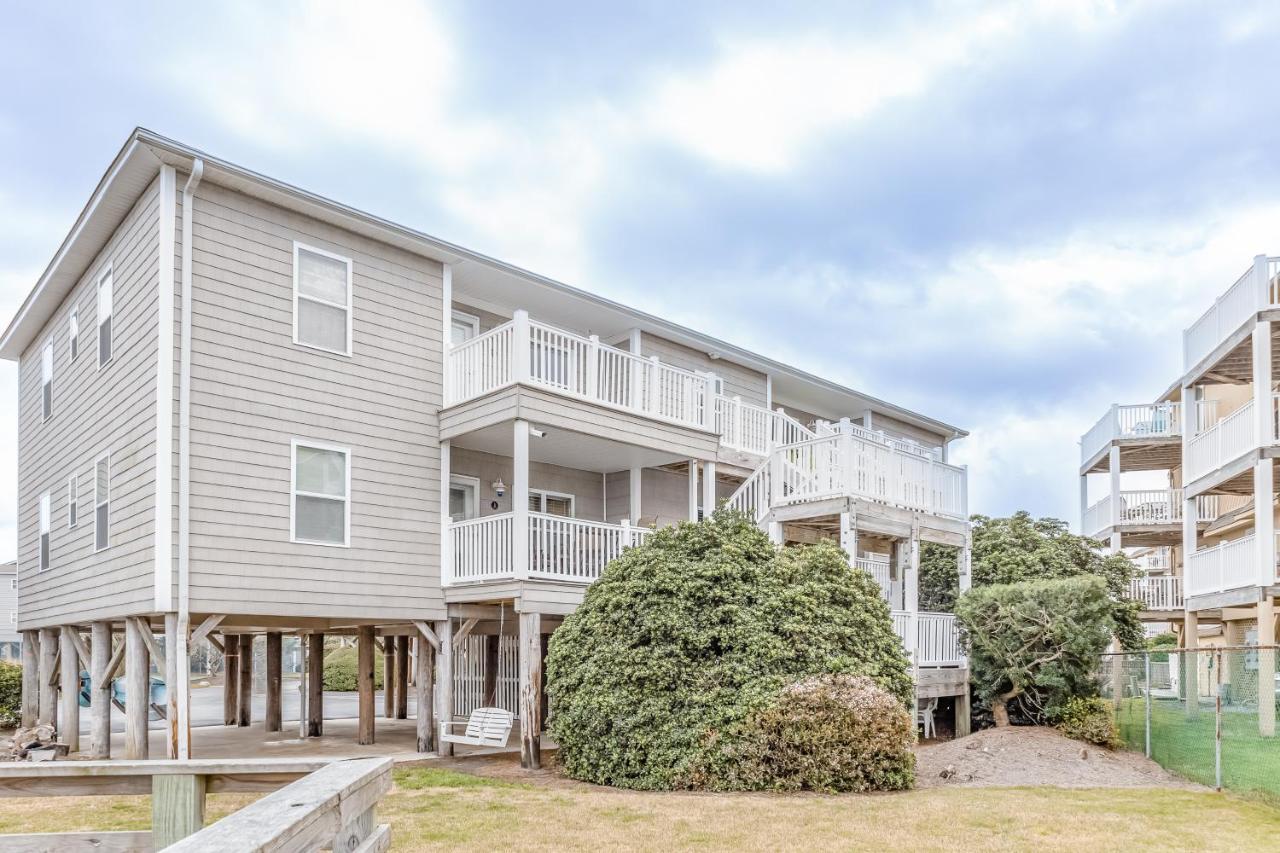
column 432, row 809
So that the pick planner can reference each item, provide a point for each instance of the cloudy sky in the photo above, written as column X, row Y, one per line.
column 1002, row 215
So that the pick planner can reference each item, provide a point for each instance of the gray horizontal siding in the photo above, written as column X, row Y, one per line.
column 739, row 381
column 587, row 487
column 253, row 391
column 95, row 411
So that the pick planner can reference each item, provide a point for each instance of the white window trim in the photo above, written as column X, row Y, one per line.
column 293, row 493
column 96, row 549
column 47, row 348
column 97, row 310
column 73, row 334
column 471, row 320
column 474, row 483
column 300, row 247
column 73, row 499
column 546, row 493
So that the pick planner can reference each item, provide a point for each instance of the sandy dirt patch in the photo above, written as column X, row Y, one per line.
column 1026, row 755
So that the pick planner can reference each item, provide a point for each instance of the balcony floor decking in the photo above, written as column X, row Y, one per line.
column 1153, row 453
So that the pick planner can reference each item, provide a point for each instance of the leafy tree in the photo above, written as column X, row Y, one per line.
column 340, row 670
column 1036, row 643
column 939, row 577
column 1022, row 548
column 10, row 694
column 654, row 681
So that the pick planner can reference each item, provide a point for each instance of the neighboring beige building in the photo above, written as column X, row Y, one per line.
column 352, row 428
column 1215, row 434
column 10, row 639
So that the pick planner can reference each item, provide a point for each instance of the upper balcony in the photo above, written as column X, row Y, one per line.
column 1257, row 289
column 1150, row 516
column 533, row 353
column 1232, row 439
column 1234, row 565
column 1148, row 434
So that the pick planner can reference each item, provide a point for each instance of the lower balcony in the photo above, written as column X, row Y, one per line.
column 1228, row 566
column 1150, row 509
column 1160, row 592
column 560, row 549
column 937, row 638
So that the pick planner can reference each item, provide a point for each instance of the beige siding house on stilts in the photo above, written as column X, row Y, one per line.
column 248, row 411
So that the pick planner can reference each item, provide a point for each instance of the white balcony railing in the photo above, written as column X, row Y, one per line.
column 1229, row 565
column 1154, row 507
column 1150, row 420
column 1258, row 288
column 1225, row 441
column 534, row 353
column 878, row 568
column 1157, row 592
column 937, row 637
column 754, row 429
column 566, row 549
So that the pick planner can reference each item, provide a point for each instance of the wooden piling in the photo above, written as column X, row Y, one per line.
column 315, row 685
column 423, row 683
column 230, row 678
column 30, row 678
column 402, row 677
column 244, row 710
column 388, row 677
column 100, row 691
column 48, row 688
column 69, row 707
column 364, row 683
column 444, row 679
column 137, row 695
column 530, row 691
column 275, row 677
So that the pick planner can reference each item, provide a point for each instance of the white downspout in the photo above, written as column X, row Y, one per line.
column 184, row 471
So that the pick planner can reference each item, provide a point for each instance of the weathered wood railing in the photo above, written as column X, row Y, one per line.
column 315, row 804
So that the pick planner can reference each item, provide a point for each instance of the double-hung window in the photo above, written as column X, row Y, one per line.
column 73, row 501
column 101, row 503
column 73, row 326
column 551, row 503
column 321, row 299
column 104, row 317
column 46, row 381
column 44, row 531
column 320, row 494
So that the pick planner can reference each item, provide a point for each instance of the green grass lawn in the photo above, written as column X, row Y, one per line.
column 1250, row 762
column 441, row 810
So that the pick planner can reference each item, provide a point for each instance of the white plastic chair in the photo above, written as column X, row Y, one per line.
column 924, row 717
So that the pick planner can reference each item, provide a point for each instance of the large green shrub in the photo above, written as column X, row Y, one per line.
column 1035, row 643
column 829, row 733
column 340, row 670
column 653, row 680
column 10, row 694
column 1089, row 718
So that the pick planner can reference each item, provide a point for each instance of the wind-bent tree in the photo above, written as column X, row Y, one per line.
column 1036, row 643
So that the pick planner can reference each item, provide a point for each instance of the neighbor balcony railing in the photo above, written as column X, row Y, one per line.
column 1229, row 439
column 1147, row 420
column 558, row 548
column 1254, row 291
column 533, row 353
column 1157, row 592
column 1153, row 507
column 1227, row 566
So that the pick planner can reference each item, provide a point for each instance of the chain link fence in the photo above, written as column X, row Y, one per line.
column 1207, row 714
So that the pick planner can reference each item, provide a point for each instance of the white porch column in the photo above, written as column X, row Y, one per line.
column 446, row 333
column 1263, row 471
column 1267, row 663
column 708, row 488
column 637, row 483
column 775, row 533
column 1189, row 520
column 1114, row 469
column 693, row 489
column 966, row 564
column 446, row 515
column 520, row 498
column 849, row 535
column 1264, row 524
column 1190, row 661
column 1084, row 502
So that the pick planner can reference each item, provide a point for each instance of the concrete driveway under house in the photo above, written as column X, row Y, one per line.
column 248, row 413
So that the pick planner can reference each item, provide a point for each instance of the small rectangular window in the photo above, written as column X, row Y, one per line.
column 551, row 503
column 104, row 318
column 73, row 500
column 74, row 328
column 101, row 503
column 44, row 531
column 321, row 299
column 321, row 483
column 46, row 381
column 463, row 497
column 465, row 327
